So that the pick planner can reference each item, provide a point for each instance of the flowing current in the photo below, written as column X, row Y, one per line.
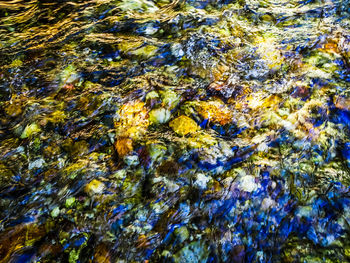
column 174, row 131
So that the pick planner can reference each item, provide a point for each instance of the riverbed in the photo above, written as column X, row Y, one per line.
column 174, row 131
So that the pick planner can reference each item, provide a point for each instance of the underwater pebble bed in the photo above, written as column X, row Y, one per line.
column 174, row 131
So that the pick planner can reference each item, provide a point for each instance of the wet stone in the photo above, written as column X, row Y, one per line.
column 174, row 131
column 94, row 187
column 183, row 125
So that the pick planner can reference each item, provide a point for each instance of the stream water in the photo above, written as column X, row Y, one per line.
column 174, row 131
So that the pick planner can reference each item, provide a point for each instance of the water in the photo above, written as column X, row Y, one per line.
column 183, row 131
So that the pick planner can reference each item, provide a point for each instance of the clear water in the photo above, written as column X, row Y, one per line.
column 174, row 131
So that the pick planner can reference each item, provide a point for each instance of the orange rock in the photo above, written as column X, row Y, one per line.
column 330, row 47
column 123, row 146
column 215, row 111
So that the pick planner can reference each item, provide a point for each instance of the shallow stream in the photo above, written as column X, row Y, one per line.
column 174, row 131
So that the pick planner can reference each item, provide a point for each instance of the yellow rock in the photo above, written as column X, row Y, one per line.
column 269, row 52
column 129, row 44
column 133, row 121
column 257, row 101
column 201, row 140
column 184, row 125
column 57, row 117
column 347, row 252
column 94, row 187
column 16, row 63
column 146, row 51
column 13, row 110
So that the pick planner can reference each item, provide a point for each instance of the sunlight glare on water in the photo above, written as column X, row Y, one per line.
column 174, row 131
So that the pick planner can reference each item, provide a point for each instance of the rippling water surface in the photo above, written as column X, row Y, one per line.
column 174, row 131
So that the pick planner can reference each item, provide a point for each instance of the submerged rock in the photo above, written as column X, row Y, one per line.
column 132, row 120
column 202, row 181
column 191, row 253
column 182, row 234
column 94, row 187
column 247, row 183
column 170, row 98
column 14, row 110
column 123, row 146
column 215, row 111
column 30, row 130
column 159, row 116
column 342, row 103
column 183, row 125
column 174, row 131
